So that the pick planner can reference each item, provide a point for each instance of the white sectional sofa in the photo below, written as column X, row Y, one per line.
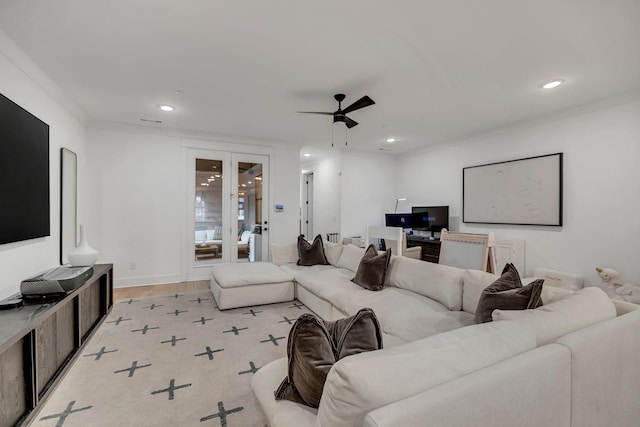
column 439, row 368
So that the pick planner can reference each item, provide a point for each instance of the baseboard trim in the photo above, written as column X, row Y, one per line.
column 129, row 282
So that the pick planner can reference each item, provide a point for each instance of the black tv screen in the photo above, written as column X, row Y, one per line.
column 397, row 220
column 430, row 218
column 24, row 174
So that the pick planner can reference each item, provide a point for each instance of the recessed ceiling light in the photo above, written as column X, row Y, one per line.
column 552, row 84
column 166, row 107
column 307, row 155
column 391, row 140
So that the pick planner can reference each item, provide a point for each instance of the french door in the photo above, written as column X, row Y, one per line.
column 227, row 193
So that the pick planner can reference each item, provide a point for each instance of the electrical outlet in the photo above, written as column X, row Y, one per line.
column 132, row 265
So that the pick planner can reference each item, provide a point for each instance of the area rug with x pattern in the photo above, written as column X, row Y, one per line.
column 172, row 361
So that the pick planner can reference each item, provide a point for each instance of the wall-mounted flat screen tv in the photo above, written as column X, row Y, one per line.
column 24, row 174
column 430, row 218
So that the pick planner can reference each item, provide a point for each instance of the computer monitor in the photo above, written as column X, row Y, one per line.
column 430, row 218
column 398, row 220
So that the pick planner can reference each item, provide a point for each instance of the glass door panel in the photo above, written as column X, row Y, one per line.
column 208, row 211
column 251, row 174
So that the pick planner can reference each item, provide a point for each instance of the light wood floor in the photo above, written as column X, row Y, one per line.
column 155, row 290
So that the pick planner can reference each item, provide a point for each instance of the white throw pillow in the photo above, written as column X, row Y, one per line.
column 584, row 308
column 350, row 257
column 284, row 254
column 200, row 236
column 210, row 234
column 559, row 279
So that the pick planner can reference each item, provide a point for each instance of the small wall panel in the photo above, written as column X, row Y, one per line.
column 66, row 342
column 89, row 307
column 13, row 387
column 47, row 365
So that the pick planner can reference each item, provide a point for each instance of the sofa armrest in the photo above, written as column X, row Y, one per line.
column 279, row 413
column 624, row 307
column 528, row 390
column 605, row 379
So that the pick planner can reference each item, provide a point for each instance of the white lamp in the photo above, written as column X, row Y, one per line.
column 397, row 200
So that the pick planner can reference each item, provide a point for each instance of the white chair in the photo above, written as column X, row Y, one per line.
column 466, row 250
column 394, row 239
column 243, row 244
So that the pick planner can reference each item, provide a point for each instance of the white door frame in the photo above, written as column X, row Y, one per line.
column 229, row 208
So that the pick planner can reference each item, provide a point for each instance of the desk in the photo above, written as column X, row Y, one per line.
column 39, row 341
column 430, row 248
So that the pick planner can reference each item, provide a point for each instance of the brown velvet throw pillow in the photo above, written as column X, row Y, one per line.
column 372, row 269
column 315, row 345
column 507, row 293
column 311, row 253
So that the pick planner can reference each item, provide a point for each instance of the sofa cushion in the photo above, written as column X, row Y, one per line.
column 584, row 308
column 474, row 282
column 284, row 254
column 315, row 345
column 507, row 293
column 551, row 293
column 350, row 257
column 333, row 251
column 358, row 384
column 234, row 275
column 311, row 253
column 372, row 269
column 436, row 281
column 323, row 280
column 403, row 314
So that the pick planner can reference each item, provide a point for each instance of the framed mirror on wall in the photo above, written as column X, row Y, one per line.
column 68, row 202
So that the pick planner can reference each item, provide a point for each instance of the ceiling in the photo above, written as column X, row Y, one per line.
column 437, row 70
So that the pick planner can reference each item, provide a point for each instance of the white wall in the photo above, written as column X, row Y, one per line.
column 327, row 190
column 139, row 178
column 368, row 191
column 601, row 146
column 351, row 189
column 23, row 83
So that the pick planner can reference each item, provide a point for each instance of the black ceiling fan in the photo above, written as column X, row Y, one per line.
column 340, row 115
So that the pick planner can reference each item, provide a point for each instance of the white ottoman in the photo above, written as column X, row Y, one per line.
column 245, row 284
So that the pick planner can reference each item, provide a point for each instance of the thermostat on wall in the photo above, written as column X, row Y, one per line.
column 278, row 208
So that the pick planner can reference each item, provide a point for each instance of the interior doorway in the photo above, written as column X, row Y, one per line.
column 307, row 206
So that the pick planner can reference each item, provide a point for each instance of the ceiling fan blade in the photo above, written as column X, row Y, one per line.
column 315, row 112
column 365, row 101
column 350, row 123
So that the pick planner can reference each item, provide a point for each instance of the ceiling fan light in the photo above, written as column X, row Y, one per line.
column 552, row 84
